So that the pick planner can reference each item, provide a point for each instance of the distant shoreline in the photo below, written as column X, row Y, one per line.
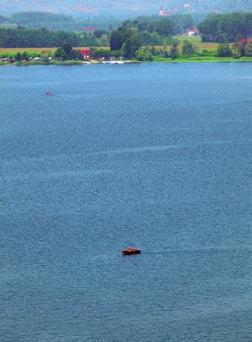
column 204, row 60
column 156, row 60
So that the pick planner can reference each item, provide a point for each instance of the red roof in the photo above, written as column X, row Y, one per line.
column 246, row 40
column 193, row 29
column 85, row 52
column 89, row 28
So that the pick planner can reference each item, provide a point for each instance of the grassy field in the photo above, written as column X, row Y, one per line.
column 12, row 51
column 194, row 40
column 204, row 59
column 197, row 42
column 15, row 50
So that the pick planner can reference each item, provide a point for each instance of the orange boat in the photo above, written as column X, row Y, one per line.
column 131, row 251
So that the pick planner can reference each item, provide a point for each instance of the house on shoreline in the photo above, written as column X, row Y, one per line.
column 85, row 53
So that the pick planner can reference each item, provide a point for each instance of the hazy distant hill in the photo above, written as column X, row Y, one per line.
column 122, row 7
column 55, row 21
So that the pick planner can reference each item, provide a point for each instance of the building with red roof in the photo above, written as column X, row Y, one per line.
column 192, row 32
column 85, row 53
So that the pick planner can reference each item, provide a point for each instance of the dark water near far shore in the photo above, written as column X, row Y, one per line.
column 156, row 156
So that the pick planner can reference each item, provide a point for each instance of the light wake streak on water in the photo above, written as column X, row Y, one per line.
column 49, row 175
column 140, row 149
column 166, row 147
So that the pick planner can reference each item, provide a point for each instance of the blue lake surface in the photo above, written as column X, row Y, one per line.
column 156, row 156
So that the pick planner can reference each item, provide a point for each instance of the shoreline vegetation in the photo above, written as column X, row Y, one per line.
column 177, row 38
column 183, row 50
column 120, row 62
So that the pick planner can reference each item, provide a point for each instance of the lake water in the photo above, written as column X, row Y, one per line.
column 156, row 156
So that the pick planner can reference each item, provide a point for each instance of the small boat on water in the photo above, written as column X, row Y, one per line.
column 131, row 251
column 49, row 93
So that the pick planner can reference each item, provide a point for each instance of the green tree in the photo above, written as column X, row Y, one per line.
column 132, row 42
column 188, row 48
column 154, row 51
column 27, row 37
column 18, row 57
column 174, row 53
column 67, row 52
column 129, row 48
column 240, row 48
column 116, row 40
column 46, row 60
column 126, row 39
column 60, row 54
column 67, row 47
column 25, row 56
column 224, row 50
column 248, row 50
column 226, row 27
column 101, row 53
column 144, row 54
column 99, row 33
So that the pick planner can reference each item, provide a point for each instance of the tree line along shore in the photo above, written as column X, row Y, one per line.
column 220, row 37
